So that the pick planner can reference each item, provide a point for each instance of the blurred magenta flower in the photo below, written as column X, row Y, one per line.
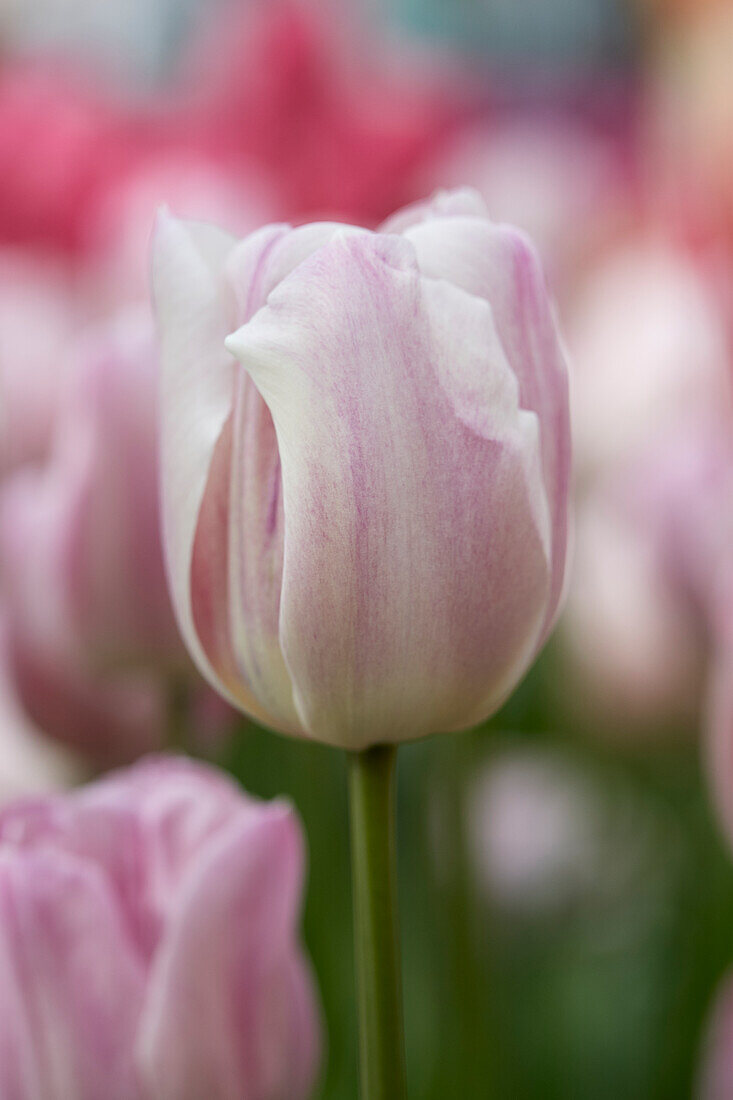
column 152, row 919
column 342, row 123
column 62, row 140
column 365, row 511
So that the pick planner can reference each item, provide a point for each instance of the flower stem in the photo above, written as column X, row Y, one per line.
column 376, row 934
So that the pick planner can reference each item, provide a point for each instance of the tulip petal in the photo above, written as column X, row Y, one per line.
column 262, row 260
column 71, row 984
column 194, row 307
column 500, row 264
column 224, row 994
column 237, row 566
column 415, row 576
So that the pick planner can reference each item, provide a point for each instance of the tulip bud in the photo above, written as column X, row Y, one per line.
column 365, row 490
column 152, row 918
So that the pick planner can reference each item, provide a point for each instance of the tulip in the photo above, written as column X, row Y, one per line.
column 152, row 919
column 647, row 420
column 365, row 478
column 89, row 622
column 80, row 537
column 365, row 491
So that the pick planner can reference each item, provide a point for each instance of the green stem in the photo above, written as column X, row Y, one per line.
column 376, row 934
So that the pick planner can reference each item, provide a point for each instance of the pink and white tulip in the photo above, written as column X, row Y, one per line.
column 365, row 465
column 152, row 919
column 89, row 625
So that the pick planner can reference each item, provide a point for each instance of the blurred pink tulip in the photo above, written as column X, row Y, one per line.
column 651, row 402
column 80, row 537
column 365, row 497
column 152, row 919
column 90, row 629
column 623, row 392
column 300, row 90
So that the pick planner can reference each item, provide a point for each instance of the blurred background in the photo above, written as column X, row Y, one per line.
column 566, row 873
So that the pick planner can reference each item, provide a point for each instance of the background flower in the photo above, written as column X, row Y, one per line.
column 141, row 898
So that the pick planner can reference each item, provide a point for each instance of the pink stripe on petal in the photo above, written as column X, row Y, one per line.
column 71, row 984
column 500, row 264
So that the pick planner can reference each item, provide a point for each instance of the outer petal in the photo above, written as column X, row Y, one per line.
column 218, row 452
column 225, row 1014
column 141, row 828
column 499, row 263
column 237, row 560
column 415, row 576
column 195, row 309
column 71, row 984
